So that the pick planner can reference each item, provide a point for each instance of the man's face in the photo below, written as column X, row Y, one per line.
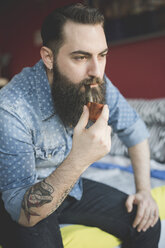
column 83, row 54
column 80, row 61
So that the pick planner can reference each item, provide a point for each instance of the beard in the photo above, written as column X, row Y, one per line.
column 69, row 98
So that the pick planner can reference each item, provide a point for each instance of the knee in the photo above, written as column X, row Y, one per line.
column 148, row 239
column 151, row 235
column 154, row 232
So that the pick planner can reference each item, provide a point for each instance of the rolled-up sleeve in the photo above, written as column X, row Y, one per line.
column 124, row 120
column 17, row 162
column 134, row 134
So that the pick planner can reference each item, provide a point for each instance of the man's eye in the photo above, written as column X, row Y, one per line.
column 80, row 58
column 104, row 55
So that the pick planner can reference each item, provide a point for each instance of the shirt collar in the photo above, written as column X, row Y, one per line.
column 43, row 89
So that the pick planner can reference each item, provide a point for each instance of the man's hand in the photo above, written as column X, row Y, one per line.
column 147, row 210
column 90, row 145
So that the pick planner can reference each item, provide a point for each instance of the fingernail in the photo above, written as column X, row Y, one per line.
column 84, row 108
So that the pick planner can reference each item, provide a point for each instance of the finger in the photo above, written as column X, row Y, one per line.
column 109, row 130
column 107, row 136
column 139, row 215
column 129, row 203
column 83, row 121
column 150, row 221
column 107, row 133
column 156, row 215
column 145, row 221
column 104, row 116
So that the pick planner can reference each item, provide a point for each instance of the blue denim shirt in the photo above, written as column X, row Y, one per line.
column 33, row 140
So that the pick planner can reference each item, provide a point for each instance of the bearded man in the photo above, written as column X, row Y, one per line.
column 47, row 141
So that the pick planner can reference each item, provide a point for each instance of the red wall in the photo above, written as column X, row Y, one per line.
column 137, row 69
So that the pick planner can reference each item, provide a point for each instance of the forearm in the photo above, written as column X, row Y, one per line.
column 140, row 157
column 46, row 196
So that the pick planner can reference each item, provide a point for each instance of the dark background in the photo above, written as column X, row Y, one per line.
column 131, row 20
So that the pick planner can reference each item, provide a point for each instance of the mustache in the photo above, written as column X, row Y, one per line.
column 86, row 84
column 90, row 81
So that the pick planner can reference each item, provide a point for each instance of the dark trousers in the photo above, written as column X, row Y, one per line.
column 101, row 206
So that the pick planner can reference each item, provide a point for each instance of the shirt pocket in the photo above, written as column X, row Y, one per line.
column 48, row 157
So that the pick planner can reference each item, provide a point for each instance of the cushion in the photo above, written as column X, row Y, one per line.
column 159, row 196
column 151, row 111
column 79, row 236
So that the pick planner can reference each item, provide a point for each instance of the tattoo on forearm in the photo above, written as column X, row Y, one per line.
column 61, row 199
column 66, row 192
column 38, row 195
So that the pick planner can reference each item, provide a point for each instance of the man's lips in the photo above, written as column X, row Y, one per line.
column 93, row 85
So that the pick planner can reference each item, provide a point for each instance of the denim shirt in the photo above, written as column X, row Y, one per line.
column 33, row 139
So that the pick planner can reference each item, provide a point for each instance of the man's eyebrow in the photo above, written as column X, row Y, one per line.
column 104, row 51
column 80, row 52
column 86, row 53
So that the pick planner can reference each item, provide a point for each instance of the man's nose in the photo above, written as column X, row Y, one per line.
column 94, row 68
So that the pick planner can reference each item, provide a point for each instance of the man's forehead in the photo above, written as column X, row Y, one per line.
column 85, row 37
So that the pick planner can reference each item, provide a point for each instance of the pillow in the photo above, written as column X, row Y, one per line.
column 79, row 236
column 156, row 144
column 151, row 111
column 159, row 196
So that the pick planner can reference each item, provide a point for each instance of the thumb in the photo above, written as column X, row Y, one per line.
column 83, row 121
column 129, row 203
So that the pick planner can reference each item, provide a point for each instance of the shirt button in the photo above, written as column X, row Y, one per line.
column 49, row 155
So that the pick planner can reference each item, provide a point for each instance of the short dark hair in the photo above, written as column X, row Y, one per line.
column 52, row 27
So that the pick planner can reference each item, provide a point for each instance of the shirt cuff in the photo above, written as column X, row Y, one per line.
column 134, row 134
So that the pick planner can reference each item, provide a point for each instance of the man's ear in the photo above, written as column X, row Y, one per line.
column 47, row 57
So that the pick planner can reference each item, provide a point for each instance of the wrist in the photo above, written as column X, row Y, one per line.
column 77, row 162
column 147, row 190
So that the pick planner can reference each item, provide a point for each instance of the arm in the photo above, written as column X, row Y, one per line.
column 140, row 157
column 133, row 133
column 88, row 146
column 147, row 211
